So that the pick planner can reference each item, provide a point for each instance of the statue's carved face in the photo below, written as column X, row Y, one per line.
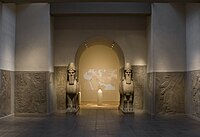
column 128, row 75
column 71, row 75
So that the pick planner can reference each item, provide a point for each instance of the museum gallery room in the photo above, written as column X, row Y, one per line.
column 99, row 68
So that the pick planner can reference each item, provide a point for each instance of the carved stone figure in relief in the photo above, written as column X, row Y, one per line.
column 196, row 95
column 165, row 88
column 31, row 92
column 170, row 92
column 5, row 93
column 72, row 89
column 126, row 90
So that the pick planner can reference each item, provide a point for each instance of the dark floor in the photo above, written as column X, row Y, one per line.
column 100, row 123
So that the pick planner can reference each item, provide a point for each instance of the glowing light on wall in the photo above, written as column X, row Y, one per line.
column 104, row 78
column 99, row 68
column 139, row 61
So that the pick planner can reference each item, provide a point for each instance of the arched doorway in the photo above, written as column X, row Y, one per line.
column 99, row 61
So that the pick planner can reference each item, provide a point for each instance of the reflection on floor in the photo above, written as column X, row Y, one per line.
column 100, row 123
column 104, row 105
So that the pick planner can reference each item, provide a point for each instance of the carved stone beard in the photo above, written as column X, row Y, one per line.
column 71, row 77
column 128, row 76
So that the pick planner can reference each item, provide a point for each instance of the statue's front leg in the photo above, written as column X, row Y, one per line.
column 131, row 102
column 125, row 102
column 69, row 102
column 77, row 100
column 128, row 102
column 74, row 101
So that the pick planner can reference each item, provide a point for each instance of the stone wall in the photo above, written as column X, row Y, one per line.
column 139, row 77
column 5, row 93
column 193, row 63
column 51, row 93
column 149, row 94
column 165, row 92
column 31, row 91
column 194, row 91
column 170, row 92
column 60, row 86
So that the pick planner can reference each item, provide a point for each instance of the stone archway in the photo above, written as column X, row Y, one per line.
column 103, row 41
column 99, row 61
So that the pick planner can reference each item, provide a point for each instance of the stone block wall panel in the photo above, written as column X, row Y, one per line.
column 51, row 96
column 149, row 94
column 194, row 90
column 31, row 92
column 139, row 77
column 5, row 93
column 60, row 86
column 170, row 92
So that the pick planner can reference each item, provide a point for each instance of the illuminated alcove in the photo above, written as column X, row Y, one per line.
column 99, row 61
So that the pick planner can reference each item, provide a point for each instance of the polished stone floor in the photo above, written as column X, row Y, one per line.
column 100, row 123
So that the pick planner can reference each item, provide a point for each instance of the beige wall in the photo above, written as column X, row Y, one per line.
column 33, row 38
column 167, row 44
column 7, row 50
column 193, row 40
column 99, row 57
column 128, row 31
column 71, row 31
column 7, row 36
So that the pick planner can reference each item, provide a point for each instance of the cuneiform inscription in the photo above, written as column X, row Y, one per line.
column 30, row 92
column 5, row 93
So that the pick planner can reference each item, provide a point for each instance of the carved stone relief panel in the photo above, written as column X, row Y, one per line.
column 60, row 86
column 5, row 93
column 195, row 91
column 139, row 76
column 31, row 92
column 170, row 92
